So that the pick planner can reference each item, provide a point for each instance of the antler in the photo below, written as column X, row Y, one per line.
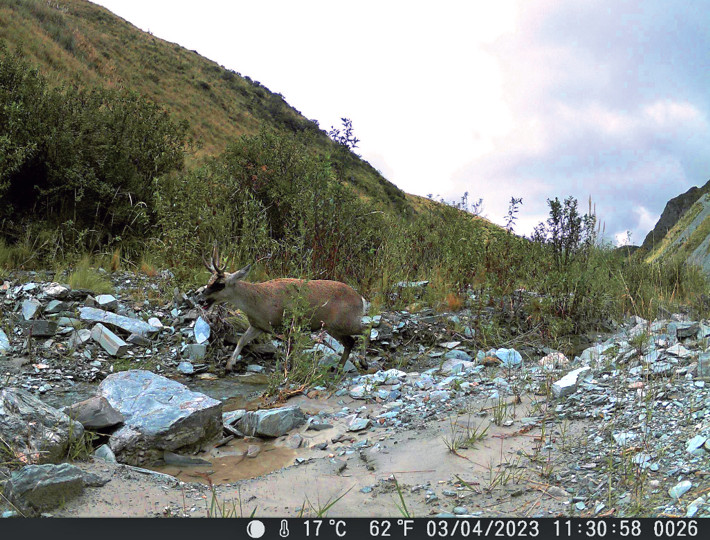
column 214, row 264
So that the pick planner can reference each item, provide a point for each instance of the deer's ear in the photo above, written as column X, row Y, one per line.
column 240, row 274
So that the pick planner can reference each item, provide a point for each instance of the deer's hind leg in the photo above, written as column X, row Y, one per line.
column 348, row 343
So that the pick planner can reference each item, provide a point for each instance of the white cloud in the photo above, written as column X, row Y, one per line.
column 527, row 98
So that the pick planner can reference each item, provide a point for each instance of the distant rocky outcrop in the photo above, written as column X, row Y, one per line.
column 689, row 239
column 673, row 211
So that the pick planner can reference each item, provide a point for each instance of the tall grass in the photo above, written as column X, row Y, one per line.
column 85, row 276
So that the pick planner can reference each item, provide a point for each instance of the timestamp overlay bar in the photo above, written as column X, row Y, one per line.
column 357, row 528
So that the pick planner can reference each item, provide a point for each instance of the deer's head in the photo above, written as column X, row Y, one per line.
column 217, row 289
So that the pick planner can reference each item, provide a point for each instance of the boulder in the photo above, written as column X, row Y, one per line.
column 36, row 488
column 95, row 413
column 160, row 414
column 35, row 432
column 271, row 422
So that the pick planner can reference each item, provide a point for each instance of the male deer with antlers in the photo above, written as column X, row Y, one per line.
column 332, row 305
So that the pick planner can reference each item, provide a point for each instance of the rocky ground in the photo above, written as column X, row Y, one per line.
column 436, row 427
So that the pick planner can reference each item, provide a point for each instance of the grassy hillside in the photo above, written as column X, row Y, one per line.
column 78, row 43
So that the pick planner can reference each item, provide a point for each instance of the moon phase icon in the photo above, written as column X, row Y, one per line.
column 256, row 529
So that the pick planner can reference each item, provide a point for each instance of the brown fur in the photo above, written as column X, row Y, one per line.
column 332, row 305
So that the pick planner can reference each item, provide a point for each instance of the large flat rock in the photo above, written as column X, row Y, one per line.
column 160, row 414
column 130, row 325
column 42, row 487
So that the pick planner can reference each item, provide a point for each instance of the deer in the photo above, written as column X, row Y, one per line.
column 332, row 305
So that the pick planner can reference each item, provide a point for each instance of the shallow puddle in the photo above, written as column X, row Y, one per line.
column 236, row 392
column 230, row 463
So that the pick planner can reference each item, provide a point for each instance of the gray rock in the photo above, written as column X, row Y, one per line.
column 56, row 306
column 329, row 345
column 37, row 328
column 624, row 438
column 272, row 422
column 65, row 322
column 186, row 368
column 439, row 395
column 202, row 330
column 137, row 339
column 36, row 488
column 358, row 424
column 510, row 358
column 231, row 417
column 133, row 326
column 196, row 351
column 255, row 368
column 30, row 308
column 94, row 413
column 79, row 337
column 4, row 343
column 160, row 414
column 179, row 460
column 568, row 384
column 107, row 302
column 35, row 431
column 593, row 354
column 678, row 350
column 458, row 354
column 358, row 392
column 687, row 330
column 332, row 360
column 55, row 290
column 704, row 365
column 695, row 445
column 104, row 452
column 110, row 342
column 454, row 365
column 155, row 322
column 677, row 491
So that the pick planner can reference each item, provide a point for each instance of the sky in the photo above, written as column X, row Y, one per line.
column 532, row 99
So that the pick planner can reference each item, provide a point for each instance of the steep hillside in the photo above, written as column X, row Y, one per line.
column 689, row 238
column 674, row 209
column 78, row 43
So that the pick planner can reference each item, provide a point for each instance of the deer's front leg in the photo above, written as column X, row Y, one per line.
column 250, row 334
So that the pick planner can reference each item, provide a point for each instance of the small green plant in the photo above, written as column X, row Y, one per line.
column 463, row 437
column 81, row 448
column 301, row 364
column 500, row 475
column 224, row 508
column 321, row 510
column 86, row 277
column 501, row 411
column 402, row 504
column 640, row 342
column 8, row 458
